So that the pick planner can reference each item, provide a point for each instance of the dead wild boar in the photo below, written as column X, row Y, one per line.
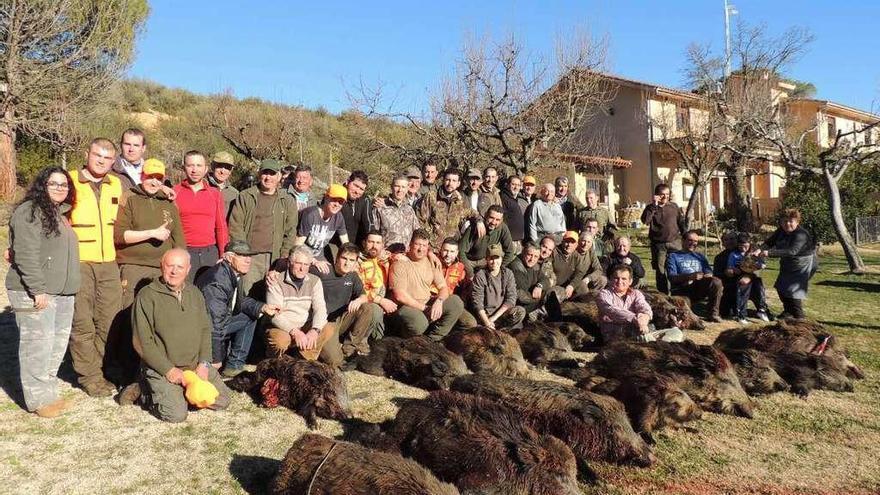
column 541, row 343
column 702, row 371
column 573, row 369
column 480, row 446
column 806, row 372
column 594, row 426
column 652, row 401
column 790, row 335
column 577, row 337
column 417, row 361
column 310, row 388
column 323, row 466
column 672, row 311
column 756, row 371
column 484, row 349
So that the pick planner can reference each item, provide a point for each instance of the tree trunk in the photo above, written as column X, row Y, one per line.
column 856, row 265
column 696, row 193
column 742, row 200
column 8, row 163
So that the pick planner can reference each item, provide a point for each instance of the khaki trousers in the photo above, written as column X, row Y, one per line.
column 95, row 306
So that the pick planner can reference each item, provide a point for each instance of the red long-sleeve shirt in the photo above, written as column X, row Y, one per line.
column 202, row 215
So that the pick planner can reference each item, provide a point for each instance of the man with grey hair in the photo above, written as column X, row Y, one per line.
column 621, row 255
column 172, row 334
column 545, row 216
column 568, row 202
column 302, row 321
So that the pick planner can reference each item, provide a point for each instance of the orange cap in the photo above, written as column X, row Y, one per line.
column 529, row 179
column 570, row 235
column 337, row 191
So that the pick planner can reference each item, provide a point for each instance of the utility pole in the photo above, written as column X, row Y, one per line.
column 729, row 10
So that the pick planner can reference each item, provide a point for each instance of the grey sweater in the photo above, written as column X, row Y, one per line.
column 42, row 264
column 489, row 292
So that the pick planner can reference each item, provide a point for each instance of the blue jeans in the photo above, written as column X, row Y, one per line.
column 237, row 335
column 754, row 291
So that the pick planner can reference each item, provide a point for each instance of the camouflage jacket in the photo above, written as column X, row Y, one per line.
column 442, row 215
column 600, row 213
column 396, row 222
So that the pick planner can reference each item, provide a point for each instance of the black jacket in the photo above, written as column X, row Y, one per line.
column 513, row 216
column 218, row 284
column 357, row 219
column 612, row 260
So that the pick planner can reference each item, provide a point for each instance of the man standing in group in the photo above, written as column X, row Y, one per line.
column 202, row 214
column 396, row 219
column 98, row 193
column 413, row 194
column 129, row 164
column 301, row 187
column 421, row 312
column 544, row 216
column 233, row 313
column 318, row 225
column 357, row 210
column 568, row 202
column 531, row 282
column 489, row 194
column 443, row 212
column 665, row 225
column 266, row 218
column 530, row 184
column 691, row 275
column 592, row 210
column 429, row 178
column 514, row 207
column 471, row 191
column 354, row 318
column 221, row 168
column 172, row 334
column 494, row 293
column 147, row 226
column 473, row 248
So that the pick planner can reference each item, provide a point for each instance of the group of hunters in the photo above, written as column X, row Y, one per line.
column 145, row 280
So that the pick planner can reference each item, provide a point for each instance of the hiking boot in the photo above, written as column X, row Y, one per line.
column 231, row 372
column 101, row 388
column 715, row 318
column 129, row 395
column 53, row 409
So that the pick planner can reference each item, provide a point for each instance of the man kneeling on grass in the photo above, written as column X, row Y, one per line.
column 172, row 333
column 625, row 315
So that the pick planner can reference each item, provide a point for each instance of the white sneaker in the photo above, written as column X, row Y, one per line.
column 742, row 321
column 762, row 315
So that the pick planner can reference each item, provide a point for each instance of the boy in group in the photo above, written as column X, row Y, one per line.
column 749, row 285
column 318, row 225
column 494, row 293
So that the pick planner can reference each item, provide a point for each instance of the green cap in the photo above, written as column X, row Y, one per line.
column 495, row 251
column 223, row 157
column 241, row 248
column 271, row 164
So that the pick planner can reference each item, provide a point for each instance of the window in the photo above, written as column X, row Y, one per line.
column 600, row 186
column 831, row 124
column 682, row 119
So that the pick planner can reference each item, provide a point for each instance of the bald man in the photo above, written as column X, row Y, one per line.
column 544, row 216
column 172, row 333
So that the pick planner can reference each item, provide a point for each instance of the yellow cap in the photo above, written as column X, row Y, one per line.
column 154, row 167
column 570, row 235
column 530, row 179
column 337, row 191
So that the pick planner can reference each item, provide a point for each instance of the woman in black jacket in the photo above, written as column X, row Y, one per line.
column 42, row 280
column 794, row 247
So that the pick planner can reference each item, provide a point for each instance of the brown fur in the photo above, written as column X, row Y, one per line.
column 652, row 401
column 416, row 361
column 806, row 372
column 484, row 349
column 351, row 469
column 541, row 343
column 576, row 335
column 593, row 425
column 672, row 311
column 756, row 371
column 701, row 371
column 789, row 335
column 310, row 388
column 480, row 446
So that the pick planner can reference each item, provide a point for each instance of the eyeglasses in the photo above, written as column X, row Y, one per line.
column 57, row 185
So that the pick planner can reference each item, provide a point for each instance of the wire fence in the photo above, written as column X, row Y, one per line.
column 867, row 230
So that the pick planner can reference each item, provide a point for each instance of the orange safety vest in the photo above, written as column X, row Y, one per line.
column 93, row 220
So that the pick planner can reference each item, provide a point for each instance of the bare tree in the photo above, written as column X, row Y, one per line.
column 503, row 106
column 751, row 93
column 57, row 57
column 801, row 152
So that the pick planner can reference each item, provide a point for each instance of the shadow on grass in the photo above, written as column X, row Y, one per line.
column 856, row 326
column 253, row 472
column 849, row 284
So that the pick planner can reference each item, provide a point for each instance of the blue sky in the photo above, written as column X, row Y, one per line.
column 307, row 52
